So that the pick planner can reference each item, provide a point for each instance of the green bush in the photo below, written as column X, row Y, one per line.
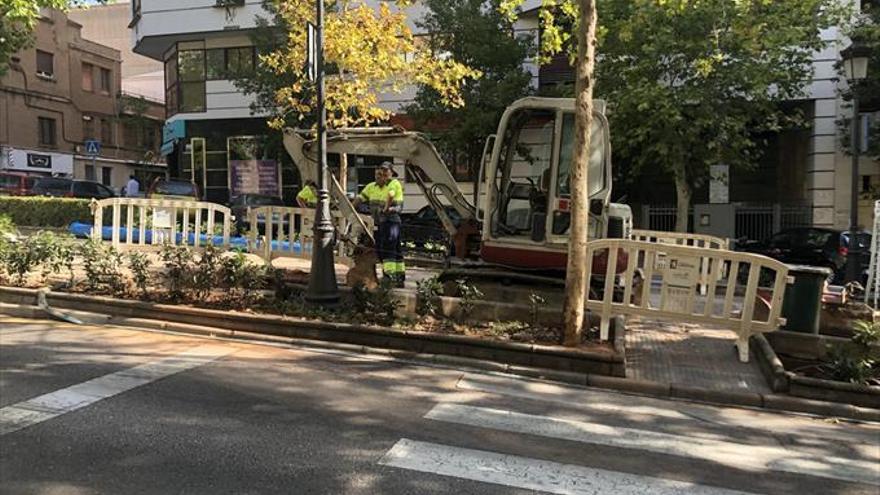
column 38, row 211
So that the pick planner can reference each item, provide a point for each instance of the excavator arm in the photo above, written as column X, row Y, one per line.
column 422, row 160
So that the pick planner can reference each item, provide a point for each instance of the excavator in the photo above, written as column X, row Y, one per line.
column 516, row 227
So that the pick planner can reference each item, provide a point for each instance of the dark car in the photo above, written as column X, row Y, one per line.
column 71, row 188
column 424, row 227
column 173, row 189
column 16, row 184
column 242, row 202
column 813, row 246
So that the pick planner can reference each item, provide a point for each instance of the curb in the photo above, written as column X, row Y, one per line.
column 772, row 402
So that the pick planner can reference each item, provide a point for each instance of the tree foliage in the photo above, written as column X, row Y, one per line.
column 691, row 83
column 18, row 19
column 866, row 29
column 368, row 52
column 475, row 33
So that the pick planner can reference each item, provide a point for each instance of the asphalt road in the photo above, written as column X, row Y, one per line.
column 88, row 410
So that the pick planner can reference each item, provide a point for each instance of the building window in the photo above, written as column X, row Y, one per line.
column 191, row 73
column 90, row 172
column 171, row 86
column 239, row 62
column 106, row 175
column 216, row 63
column 105, row 81
column 47, row 131
column 45, row 64
column 88, row 127
column 87, row 72
column 130, row 136
column 106, row 132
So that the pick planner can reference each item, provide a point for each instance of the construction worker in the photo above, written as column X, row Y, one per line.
column 308, row 195
column 385, row 198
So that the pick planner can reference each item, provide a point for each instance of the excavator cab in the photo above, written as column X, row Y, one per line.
column 527, row 185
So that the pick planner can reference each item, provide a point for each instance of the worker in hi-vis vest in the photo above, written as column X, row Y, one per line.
column 385, row 198
column 308, row 195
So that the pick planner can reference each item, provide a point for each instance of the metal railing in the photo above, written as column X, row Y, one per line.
column 758, row 222
column 633, row 269
column 284, row 232
column 148, row 224
column 872, row 291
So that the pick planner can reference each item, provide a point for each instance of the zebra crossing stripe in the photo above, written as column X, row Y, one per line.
column 758, row 458
column 54, row 404
column 533, row 474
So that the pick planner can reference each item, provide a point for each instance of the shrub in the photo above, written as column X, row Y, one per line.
column 428, row 293
column 178, row 269
column 242, row 279
column 377, row 306
column 139, row 264
column 857, row 361
column 469, row 295
column 44, row 250
column 103, row 267
column 38, row 211
column 205, row 273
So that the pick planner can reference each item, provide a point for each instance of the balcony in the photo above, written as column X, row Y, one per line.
column 157, row 24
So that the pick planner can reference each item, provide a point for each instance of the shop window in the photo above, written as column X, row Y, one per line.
column 87, row 71
column 47, row 131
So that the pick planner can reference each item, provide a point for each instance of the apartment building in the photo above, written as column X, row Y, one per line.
column 210, row 134
column 64, row 91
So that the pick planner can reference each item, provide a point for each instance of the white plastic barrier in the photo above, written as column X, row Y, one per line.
column 288, row 232
column 686, row 239
column 148, row 224
column 872, row 291
column 675, row 270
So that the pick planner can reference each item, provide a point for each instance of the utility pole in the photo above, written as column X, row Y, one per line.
column 322, row 287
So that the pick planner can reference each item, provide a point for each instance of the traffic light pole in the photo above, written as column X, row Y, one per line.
column 322, row 287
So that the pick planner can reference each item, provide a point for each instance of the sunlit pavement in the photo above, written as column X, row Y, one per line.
column 112, row 410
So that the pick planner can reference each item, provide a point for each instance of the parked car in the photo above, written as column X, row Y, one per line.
column 16, row 184
column 174, row 189
column 814, row 246
column 71, row 188
column 424, row 227
column 240, row 204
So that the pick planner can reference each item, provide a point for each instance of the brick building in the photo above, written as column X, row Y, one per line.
column 65, row 90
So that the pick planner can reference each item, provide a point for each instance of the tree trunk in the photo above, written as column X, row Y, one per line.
column 576, row 283
column 682, row 201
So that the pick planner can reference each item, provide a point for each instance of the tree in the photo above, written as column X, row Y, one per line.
column 18, row 19
column 692, row 83
column 475, row 33
column 368, row 51
column 583, row 19
column 866, row 29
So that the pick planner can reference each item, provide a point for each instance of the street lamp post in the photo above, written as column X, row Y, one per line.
column 322, row 287
column 855, row 65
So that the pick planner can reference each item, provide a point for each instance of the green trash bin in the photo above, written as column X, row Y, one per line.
column 803, row 298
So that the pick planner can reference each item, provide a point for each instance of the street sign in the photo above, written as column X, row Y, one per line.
column 92, row 146
column 311, row 52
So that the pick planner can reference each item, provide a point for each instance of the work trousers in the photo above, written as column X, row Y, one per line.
column 389, row 252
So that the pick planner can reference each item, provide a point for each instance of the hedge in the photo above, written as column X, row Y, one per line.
column 39, row 211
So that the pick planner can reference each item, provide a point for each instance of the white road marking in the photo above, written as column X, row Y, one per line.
column 532, row 474
column 757, row 458
column 33, row 411
column 626, row 405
